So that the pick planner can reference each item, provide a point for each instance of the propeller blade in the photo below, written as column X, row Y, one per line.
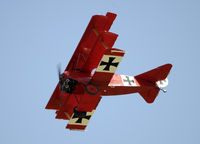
column 59, row 71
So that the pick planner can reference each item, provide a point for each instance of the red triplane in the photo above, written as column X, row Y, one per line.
column 79, row 90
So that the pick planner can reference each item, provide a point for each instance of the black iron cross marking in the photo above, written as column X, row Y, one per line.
column 128, row 80
column 80, row 116
column 109, row 63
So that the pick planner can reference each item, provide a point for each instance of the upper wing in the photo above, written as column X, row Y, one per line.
column 93, row 43
column 107, row 66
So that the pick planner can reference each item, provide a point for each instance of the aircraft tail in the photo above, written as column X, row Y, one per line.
column 153, row 81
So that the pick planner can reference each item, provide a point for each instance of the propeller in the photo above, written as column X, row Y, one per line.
column 59, row 72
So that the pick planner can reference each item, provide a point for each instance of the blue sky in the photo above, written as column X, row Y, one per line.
column 37, row 35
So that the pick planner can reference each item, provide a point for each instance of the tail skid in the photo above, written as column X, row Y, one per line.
column 153, row 81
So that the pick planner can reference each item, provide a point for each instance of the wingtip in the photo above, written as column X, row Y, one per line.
column 111, row 14
column 168, row 64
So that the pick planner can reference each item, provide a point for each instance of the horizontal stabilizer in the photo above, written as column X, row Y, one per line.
column 149, row 95
column 152, row 81
column 157, row 74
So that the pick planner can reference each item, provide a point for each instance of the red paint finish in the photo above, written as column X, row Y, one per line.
column 75, row 127
column 95, row 51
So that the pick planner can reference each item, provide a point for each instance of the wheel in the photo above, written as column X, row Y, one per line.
column 91, row 89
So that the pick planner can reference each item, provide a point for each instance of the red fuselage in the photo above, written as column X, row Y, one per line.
column 119, row 84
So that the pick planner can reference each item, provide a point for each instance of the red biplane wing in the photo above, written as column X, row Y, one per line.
column 107, row 66
column 80, row 119
column 89, row 52
column 89, row 101
column 95, row 43
column 95, row 40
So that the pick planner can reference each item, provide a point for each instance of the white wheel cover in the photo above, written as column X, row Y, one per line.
column 162, row 83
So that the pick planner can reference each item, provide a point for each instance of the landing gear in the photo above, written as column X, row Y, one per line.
column 68, row 85
column 163, row 90
column 91, row 89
